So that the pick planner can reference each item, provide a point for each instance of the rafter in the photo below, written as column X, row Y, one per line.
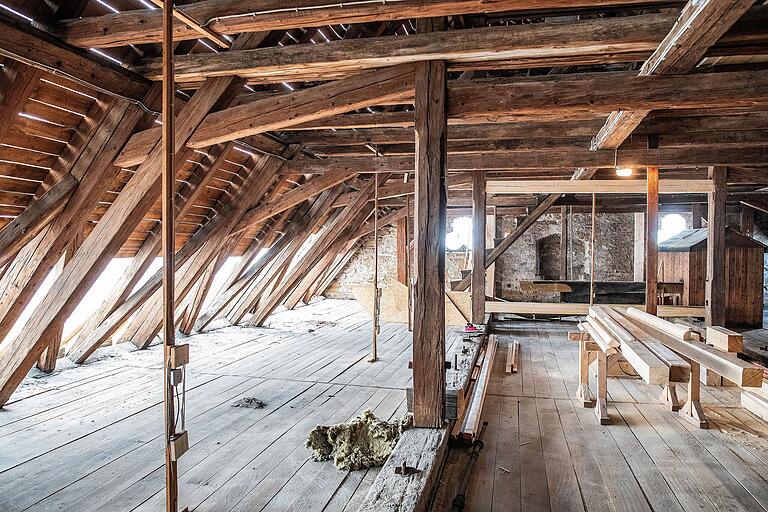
column 521, row 44
column 236, row 16
column 34, row 47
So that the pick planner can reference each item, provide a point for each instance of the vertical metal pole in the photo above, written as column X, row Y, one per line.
column 171, row 483
column 376, row 305
column 408, row 259
column 592, row 256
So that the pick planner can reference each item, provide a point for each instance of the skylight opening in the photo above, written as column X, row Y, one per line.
column 16, row 13
column 60, row 86
column 106, row 5
column 40, row 119
column 58, row 107
column 106, row 56
column 31, row 150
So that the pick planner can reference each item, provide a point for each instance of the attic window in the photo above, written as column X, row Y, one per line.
column 459, row 234
column 671, row 224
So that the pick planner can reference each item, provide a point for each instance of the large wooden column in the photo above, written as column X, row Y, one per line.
column 652, row 240
column 714, row 303
column 478, row 247
column 696, row 215
column 429, row 268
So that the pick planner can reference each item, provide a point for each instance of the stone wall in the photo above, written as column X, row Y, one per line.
column 536, row 254
column 613, row 255
column 359, row 269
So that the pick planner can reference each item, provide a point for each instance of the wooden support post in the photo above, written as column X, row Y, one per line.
column 564, row 218
column 652, row 240
column 692, row 410
column 669, row 397
column 478, row 247
column 696, row 214
column 169, row 239
column 747, row 220
column 585, row 395
column 601, row 403
column 714, row 304
column 429, row 219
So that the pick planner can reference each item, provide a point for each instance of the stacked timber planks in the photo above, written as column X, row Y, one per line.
column 658, row 350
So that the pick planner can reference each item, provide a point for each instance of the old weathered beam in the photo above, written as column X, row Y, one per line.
column 34, row 47
column 715, row 285
column 689, row 156
column 431, row 167
column 290, row 199
column 699, row 26
column 478, row 247
column 523, row 44
column 652, row 240
column 143, row 26
column 360, row 91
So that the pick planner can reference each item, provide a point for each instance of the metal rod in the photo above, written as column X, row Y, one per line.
column 168, row 240
column 374, row 354
column 459, row 501
column 592, row 256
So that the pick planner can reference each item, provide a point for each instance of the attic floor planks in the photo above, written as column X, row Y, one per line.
column 545, row 452
column 89, row 438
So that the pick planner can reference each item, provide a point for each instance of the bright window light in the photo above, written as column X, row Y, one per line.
column 671, row 224
column 459, row 234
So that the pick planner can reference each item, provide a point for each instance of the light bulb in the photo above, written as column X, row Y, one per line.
column 623, row 171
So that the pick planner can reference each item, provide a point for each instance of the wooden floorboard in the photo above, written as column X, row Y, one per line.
column 546, row 452
column 89, row 438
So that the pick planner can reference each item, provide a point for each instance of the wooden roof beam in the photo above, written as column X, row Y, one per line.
column 690, row 156
column 493, row 100
column 701, row 24
column 236, row 16
column 364, row 90
column 523, row 43
column 34, row 47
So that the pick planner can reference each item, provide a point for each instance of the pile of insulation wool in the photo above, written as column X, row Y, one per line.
column 364, row 442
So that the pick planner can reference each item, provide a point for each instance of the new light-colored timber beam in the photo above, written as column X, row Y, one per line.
column 700, row 25
column 596, row 187
column 571, row 309
column 364, row 90
column 34, row 47
column 235, row 16
column 523, row 44
column 683, row 157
